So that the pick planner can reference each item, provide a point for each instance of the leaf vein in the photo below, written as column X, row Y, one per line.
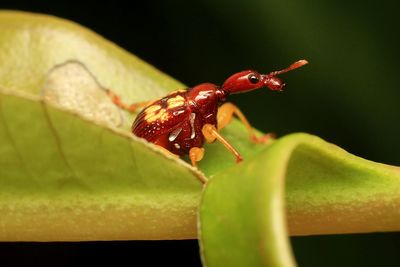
column 12, row 141
column 58, row 141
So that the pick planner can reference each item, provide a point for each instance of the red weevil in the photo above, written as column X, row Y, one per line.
column 182, row 120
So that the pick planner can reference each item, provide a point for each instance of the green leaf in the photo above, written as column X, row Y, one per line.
column 242, row 214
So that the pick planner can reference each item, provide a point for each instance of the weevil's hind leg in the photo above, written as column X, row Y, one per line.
column 224, row 117
column 131, row 108
column 210, row 133
column 196, row 154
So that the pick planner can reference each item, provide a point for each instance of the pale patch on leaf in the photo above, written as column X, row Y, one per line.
column 72, row 86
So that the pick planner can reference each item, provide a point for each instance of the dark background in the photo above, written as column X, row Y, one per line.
column 348, row 95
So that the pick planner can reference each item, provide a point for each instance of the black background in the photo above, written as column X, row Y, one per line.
column 348, row 95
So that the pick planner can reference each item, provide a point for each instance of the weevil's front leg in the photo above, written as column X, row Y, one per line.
column 224, row 117
column 129, row 107
column 196, row 154
column 210, row 133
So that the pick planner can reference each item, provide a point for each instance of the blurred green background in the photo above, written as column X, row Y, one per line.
column 348, row 94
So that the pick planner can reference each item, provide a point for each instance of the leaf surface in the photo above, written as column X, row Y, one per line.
column 242, row 218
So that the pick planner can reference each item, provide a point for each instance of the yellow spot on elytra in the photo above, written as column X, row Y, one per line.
column 164, row 116
column 152, row 109
column 176, row 101
column 157, row 114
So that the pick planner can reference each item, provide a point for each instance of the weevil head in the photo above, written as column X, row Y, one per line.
column 243, row 81
column 249, row 80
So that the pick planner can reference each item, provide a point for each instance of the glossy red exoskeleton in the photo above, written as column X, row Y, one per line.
column 183, row 120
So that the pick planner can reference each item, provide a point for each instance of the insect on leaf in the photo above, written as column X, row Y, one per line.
column 71, row 170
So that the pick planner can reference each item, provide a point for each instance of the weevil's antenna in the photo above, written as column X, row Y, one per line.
column 295, row 65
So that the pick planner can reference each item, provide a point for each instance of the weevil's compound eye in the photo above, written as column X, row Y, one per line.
column 253, row 78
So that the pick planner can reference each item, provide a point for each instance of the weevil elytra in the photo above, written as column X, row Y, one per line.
column 183, row 120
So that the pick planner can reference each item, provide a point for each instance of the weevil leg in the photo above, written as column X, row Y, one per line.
column 196, row 154
column 211, row 133
column 224, row 117
column 129, row 107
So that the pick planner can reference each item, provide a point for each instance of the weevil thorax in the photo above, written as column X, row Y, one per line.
column 205, row 98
